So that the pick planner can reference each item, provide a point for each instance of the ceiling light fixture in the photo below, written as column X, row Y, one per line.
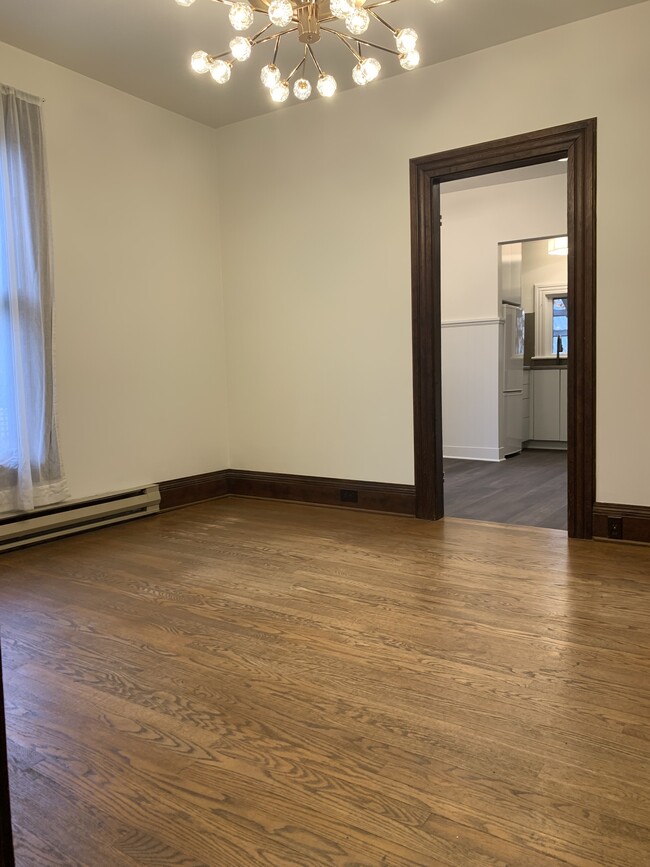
column 558, row 246
column 308, row 21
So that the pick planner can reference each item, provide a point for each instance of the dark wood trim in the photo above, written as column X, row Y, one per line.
column 577, row 141
column 6, row 841
column 193, row 489
column 345, row 493
column 634, row 522
column 370, row 496
column 427, row 354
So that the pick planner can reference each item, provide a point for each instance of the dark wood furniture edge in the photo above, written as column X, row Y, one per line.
column 6, row 839
column 344, row 493
column 634, row 522
column 577, row 142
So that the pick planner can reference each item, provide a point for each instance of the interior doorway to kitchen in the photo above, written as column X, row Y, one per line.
column 576, row 143
column 504, row 311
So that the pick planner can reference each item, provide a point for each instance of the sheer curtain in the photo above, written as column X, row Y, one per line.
column 30, row 469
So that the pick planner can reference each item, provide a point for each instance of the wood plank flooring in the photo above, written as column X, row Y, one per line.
column 245, row 683
column 528, row 489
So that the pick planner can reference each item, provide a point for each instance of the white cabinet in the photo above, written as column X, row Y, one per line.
column 526, row 427
column 546, row 400
column 564, row 403
column 549, row 405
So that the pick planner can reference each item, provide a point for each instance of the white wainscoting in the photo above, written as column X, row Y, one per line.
column 471, row 389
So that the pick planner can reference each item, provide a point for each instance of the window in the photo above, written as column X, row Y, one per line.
column 30, row 472
column 560, row 324
column 551, row 320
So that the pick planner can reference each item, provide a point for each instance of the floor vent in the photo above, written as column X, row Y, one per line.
column 63, row 519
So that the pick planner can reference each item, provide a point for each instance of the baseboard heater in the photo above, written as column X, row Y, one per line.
column 73, row 516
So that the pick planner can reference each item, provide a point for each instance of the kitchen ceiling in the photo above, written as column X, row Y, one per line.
column 143, row 46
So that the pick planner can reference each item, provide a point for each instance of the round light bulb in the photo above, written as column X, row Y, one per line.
column 270, row 75
column 302, row 89
column 410, row 60
column 358, row 76
column 240, row 47
column 241, row 16
column 200, row 62
column 220, row 71
column 370, row 68
column 340, row 8
column 280, row 91
column 357, row 21
column 406, row 40
column 280, row 12
column 326, row 85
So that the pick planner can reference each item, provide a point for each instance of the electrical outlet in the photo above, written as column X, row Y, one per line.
column 348, row 496
column 615, row 528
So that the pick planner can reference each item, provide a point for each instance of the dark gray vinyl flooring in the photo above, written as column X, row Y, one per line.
column 529, row 488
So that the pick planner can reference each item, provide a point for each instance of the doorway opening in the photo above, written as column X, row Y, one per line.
column 577, row 144
column 504, row 307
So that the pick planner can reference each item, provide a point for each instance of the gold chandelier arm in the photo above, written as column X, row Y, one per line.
column 345, row 42
column 295, row 69
column 361, row 41
column 381, row 21
column 380, row 3
column 276, row 36
column 313, row 57
column 257, row 35
column 213, row 57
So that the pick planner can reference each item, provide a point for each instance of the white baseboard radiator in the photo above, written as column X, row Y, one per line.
column 73, row 516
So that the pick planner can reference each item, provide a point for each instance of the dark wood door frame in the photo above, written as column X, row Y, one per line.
column 577, row 142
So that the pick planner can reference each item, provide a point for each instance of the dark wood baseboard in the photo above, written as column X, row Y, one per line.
column 345, row 493
column 633, row 521
column 622, row 523
column 193, row 489
column 369, row 496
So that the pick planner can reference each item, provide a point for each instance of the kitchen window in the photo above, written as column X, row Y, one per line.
column 551, row 320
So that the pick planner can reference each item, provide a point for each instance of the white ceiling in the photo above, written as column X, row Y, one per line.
column 143, row 46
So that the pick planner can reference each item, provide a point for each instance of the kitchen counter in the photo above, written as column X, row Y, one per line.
column 546, row 364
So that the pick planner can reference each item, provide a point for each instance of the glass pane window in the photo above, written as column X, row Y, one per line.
column 560, row 324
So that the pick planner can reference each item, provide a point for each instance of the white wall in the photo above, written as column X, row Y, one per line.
column 538, row 267
column 317, row 255
column 474, row 222
column 139, row 335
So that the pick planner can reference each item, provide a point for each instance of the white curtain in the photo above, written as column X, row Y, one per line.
column 30, row 469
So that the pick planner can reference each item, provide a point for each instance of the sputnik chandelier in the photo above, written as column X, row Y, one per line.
column 309, row 20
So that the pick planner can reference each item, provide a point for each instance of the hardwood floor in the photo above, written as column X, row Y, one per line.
column 261, row 683
column 529, row 489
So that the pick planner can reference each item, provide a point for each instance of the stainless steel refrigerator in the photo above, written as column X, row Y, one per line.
column 512, row 379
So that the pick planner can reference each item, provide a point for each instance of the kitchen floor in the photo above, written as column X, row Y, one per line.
column 529, row 488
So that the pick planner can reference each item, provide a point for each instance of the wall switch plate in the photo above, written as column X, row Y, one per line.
column 615, row 528
column 348, row 496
